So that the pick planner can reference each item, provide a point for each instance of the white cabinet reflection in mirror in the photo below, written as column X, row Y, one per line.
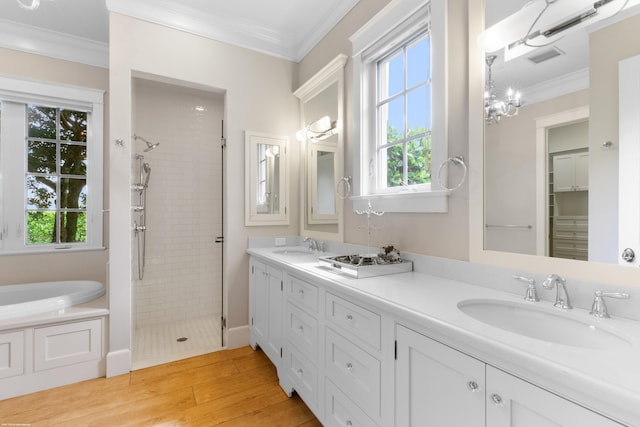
column 266, row 179
column 322, row 183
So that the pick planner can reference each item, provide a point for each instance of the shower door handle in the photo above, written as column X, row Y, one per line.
column 220, row 239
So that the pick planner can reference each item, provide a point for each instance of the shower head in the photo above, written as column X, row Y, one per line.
column 150, row 145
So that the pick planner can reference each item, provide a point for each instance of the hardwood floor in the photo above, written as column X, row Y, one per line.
column 231, row 388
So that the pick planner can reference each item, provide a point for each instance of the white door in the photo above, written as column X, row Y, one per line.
column 512, row 402
column 564, row 172
column 436, row 386
column 629, row 159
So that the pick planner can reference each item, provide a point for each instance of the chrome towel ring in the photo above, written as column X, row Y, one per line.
column 457, row 160
column 345, row 184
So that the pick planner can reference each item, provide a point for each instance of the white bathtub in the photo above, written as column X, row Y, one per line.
column 33, row 298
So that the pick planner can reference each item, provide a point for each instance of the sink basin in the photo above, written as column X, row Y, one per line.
column 543, row 324
column 293, row 252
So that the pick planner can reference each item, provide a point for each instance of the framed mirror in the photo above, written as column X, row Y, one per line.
column 266, row 179
column 571, row 99
column 321, row 136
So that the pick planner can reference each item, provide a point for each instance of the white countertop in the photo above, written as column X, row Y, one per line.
column 608, row 381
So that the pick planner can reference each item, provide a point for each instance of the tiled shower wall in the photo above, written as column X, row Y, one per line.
column 182, row 277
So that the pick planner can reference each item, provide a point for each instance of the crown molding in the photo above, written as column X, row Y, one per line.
column 53, row 44
column 568, row 83
column 229, row 28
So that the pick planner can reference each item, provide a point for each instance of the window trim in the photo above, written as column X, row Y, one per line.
column 398, row 19
column 24, row 91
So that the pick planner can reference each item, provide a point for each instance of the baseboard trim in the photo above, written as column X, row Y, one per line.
column 118, row 362
column 237, row 337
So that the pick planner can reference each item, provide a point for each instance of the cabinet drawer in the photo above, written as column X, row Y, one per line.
column 11, row 354
column 354, row 370
column 573, row 246
column 303, row 293
column 354, row 320
column 340, row 411
column 303, row 375
column 581, row 224
column 62, row 345
column 571, row 234
column 302, row 330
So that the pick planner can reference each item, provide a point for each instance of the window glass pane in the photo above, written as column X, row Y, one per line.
column 41, row 157
column 41, row 122
column 392, row 159
column 41, row 228
column 73, row 193
column 418, row 161
column 391, row 120
column 73, row 159
column 391, row 76
column 419, row 62
column 73, row 227
column 73, row 125
column 41, row 192
column 418, row 114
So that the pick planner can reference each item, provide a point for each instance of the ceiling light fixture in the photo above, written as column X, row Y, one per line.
column 29, row 6
column 542, row 22
column 495, row 108
column 319, row 130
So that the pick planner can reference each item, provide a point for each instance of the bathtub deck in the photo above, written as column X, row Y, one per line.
column 237, row 387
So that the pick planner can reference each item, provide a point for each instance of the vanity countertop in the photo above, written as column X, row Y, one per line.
column 606, row 380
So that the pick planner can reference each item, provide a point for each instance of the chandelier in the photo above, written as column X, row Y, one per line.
column 495, row 108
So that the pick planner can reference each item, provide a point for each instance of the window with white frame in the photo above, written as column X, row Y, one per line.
column 51, row 164
column 400, row 63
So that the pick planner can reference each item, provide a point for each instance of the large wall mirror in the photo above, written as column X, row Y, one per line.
column 266, row 171
column 322, row 153
column 552, row 170
column 563, row 156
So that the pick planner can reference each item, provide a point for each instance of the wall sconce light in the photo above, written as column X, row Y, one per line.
column 319, row 130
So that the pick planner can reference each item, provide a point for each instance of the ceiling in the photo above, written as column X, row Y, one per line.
column 283, row 28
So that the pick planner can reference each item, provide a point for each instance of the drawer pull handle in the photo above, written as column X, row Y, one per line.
column 349, row 317
column 472, row 385
column 349, row 366
column 301, row 292
column 495, row 398
column 299, row 372
column 348, row 423
column 301, row 328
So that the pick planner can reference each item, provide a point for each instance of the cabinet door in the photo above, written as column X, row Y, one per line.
column 512, row 402
column 563, row 172
column 274, row 300
column 259, row 304
column 436, row 385
column 582, row 172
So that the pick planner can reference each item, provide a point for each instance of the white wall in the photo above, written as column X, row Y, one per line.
column 258, row 97
column 183, row 271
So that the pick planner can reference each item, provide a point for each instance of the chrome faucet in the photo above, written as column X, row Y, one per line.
column 531, row 294
column 561, row 288
column 313, row 244
column 599, row 308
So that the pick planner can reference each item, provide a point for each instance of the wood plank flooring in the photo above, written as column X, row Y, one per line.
column 230, row 388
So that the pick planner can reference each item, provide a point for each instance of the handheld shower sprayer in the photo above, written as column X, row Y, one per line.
column 150, row 145
column 147, row 171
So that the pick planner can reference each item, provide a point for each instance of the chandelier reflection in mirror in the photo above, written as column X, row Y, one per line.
column 495, row 108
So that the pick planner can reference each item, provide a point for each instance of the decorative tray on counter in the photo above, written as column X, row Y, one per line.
column 371, row 265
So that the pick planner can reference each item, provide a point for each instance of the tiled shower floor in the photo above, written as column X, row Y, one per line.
column 163, row 343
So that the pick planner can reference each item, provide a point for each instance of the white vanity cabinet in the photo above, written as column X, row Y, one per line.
column 436, row 385
column 439, row 386
column 265, row 325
